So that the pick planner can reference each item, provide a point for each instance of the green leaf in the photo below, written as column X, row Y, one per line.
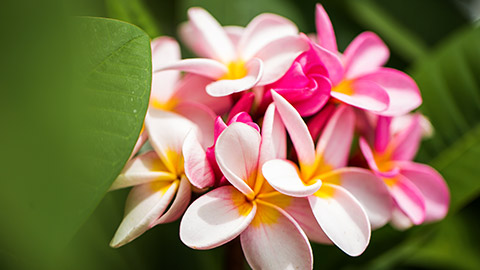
column 135, row 12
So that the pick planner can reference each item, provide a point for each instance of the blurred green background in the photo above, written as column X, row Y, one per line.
column 55, row 211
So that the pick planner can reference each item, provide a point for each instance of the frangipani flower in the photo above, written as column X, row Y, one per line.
column 270, row 237
column 344, row 201
column 420, row 193
column 360, row 80
column 263, row 53
column 157, row 177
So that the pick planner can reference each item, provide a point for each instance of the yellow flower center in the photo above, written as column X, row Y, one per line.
column 236, row 70
column 344, row 87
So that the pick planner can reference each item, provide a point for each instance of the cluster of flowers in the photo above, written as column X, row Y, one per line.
column 220, row 128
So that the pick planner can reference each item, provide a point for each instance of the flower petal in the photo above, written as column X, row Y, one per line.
column 145, row 204
column 368, row 154
column 407, row 142
column 297, row 129
column 325, row 33
column 237, row 151
column 203, row 117
column 235, row 33
column 332, row 63
column 140, row 142
column 211, row 35
column 165, row 51
column 145, row 168
column 402, row 90
column 216, row 218
column 365, row 54
column 201, row 66
column 363, row 94
column 382, row 134
column 432, row 186
column 197, row 167
column 317, row 123
column 244, row 104
column 278, row 56
column 180, row 203
column 368, row 189
column 342, row 218
column 226, row 87
column 262, row 30
column 168, row 145
column 274, row 137
column 283, row 176
column 275, row 241
column 408, row 197
column 334, row 144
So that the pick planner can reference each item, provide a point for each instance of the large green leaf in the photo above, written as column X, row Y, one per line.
column 135, row 12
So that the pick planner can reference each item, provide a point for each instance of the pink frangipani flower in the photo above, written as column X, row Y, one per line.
column 261, row 55
column 270, row 237
column 420, row 193
column 360, row 80
column 344, row 201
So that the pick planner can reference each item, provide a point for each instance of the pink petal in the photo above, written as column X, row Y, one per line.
column 234, row 33
column 201, row 66
column 382, row 134
column 216, row 218
column 180, row 203
column 236, row 152
column 275, row 241
column 409, row 198
column 191, row 37
column 140, row 142
column 210, row 33
column 365, row 54
column 332, row 63
column 372, row 163
column 145, row 204
column 192, row 89
column 365, row 95
column 399, row 220
column 368, row 189
column 203, row 117
column 165, row 51
column 274, row 137
column 297, row 129
column 226, row 87
column 432, row 186
column 406, row 142
column 342, row 218
column 168, row 145
column 244, row 104
column 197, row 168
column 283, row 176
column 143, row 169
column 325, row 33
column 278, row 56
column 262, row 30
column 402, row 90
column 334, row 144
column 317, row 123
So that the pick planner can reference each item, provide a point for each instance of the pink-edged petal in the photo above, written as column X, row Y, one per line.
column 365, row 54
column 278, row 56
column 300, row 210
column 145, row 204
column 382, row 134
column 234, row 33
column 372, row 163
column 197, row 167
column 283, row 176
column 368, row 189
column 203, row 117
column 325, row 33
column 399, row 220
column 190, row 37
column 408, row 197
column 432, row 186
column 165, row 51
column 210, row 33
column 406, row 142
column 140, row 142
column 244, row 104
column 334, row 144
column 201, row 66
column 274, row 137
column 180, row 203
column 318, row 122
column 226, row 87
column 192, row 89
column 145, row 168
column 332, row 63
column 274, row 241
column 262, row 30
column 297, row 129
column 216, row 218
column 166, row 131
column 236, row 151
column 402, row 90
column 364, row 94
column 342, row 218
